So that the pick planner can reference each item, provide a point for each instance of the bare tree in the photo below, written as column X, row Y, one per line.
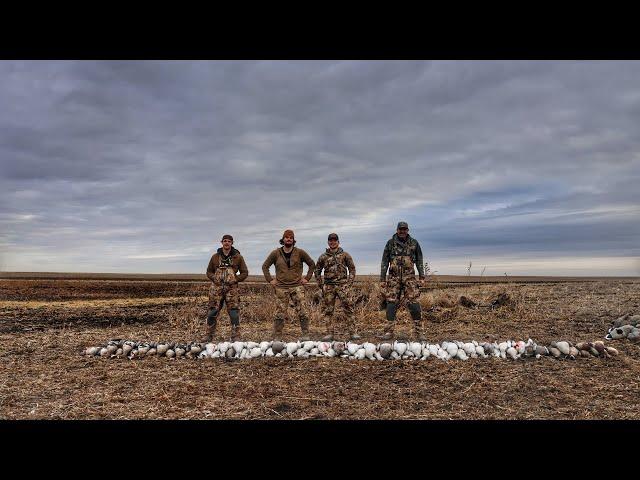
column 483, row 269
column 469, row 269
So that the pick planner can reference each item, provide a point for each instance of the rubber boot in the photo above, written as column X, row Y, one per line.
column 210, row 335
column 388, row 331
column 278, row 325
column 304, row 327
column 330, row 330
column 234, row 316
column 417, row 330
column 235, row 333
column 391, row 309
column 212, row 321
column 416, row 316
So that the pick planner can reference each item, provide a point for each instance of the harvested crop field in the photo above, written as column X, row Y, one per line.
column 45, row 323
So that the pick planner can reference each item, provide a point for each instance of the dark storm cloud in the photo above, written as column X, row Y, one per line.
column 141, row 166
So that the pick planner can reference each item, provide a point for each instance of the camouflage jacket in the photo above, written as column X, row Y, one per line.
column 399, row 258
column 222, row 270
column 335, row 265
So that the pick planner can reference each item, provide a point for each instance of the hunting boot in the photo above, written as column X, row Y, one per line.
column 330, row 330
column 211, row 332
column 416, row 316
column 352, row 329
column 304, row 327
column 278, row 324
column 388, row 331
column 417, row 330
column 234, row 316
column 235, row 333
column 212, row 321
column 391, row 320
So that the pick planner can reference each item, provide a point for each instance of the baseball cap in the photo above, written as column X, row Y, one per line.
column 333, row 236
column 403, row 225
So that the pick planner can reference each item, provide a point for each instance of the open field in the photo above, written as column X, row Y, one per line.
column 195, row 277
column 46, row 322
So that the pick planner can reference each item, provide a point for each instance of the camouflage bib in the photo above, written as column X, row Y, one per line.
column 225, row 273
column 403, row 257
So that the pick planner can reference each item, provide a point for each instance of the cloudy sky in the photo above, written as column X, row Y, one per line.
column 519, row 167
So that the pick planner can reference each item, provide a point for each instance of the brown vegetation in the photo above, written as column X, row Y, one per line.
column 44, row 324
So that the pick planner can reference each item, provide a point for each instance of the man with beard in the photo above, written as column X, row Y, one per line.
column 339, row 274
column 400, row 255
column 222, row 269
column 289, row 282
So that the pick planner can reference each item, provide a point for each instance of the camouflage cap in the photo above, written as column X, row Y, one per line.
column 402, row 225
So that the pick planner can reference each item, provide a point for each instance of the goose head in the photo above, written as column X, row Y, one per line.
column 278, row 346
column 338, row 347
column 385, row 350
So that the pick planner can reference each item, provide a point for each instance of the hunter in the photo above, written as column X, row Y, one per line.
column 222, row 270
column 339, row 274
column 289, row 282
column 401, row 254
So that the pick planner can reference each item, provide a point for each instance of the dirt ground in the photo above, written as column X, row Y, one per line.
column 46, row 323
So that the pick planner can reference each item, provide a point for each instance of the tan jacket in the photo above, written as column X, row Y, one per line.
column 288, row 276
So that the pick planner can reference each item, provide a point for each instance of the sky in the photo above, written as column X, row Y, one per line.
column 519, row 167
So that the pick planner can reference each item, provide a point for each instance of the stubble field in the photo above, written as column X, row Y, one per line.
column 45, row 323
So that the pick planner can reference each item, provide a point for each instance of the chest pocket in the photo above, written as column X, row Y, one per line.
column 402, row 259
column 335, row 268
column 225, row 273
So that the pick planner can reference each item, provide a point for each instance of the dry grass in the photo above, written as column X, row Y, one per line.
column 43, row 376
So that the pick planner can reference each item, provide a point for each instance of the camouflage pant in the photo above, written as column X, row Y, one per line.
column 407, row 290
column 227, row 294
column 294, row 296
column 409, row 287
column 329, row 295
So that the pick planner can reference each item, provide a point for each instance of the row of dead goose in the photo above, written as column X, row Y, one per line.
column 627, row 326
column 446, row 350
